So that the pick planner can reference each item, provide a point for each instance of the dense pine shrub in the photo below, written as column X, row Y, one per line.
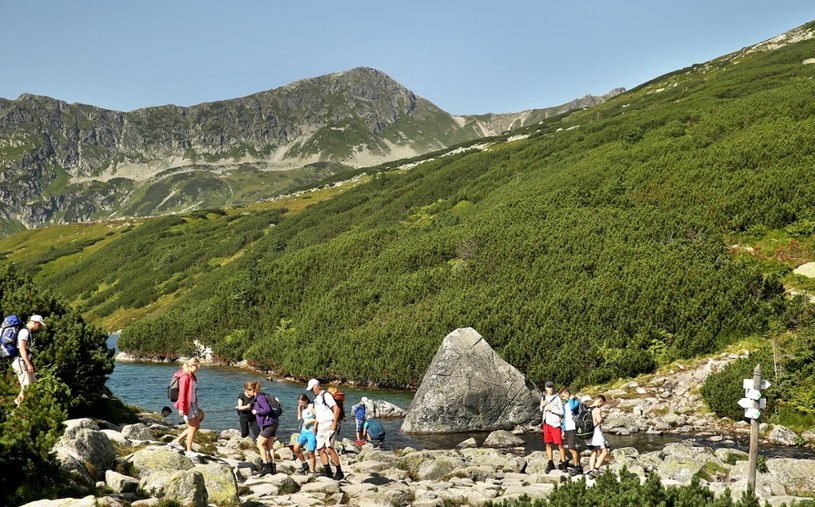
column 73, row 362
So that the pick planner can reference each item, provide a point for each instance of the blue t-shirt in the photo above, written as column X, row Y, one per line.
column 359, row 412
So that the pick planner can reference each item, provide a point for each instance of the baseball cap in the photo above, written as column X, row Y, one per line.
column 312, row 384
column 38, row 319
column 549, row 383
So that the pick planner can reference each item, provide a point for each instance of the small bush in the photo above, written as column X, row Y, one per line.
column 626, row 491
column 723, row 390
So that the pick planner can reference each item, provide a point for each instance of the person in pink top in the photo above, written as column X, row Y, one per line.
column 187, row 405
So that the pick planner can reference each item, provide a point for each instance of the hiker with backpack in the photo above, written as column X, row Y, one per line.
column 571, row 406
column 328, row 420
column 267, row 410
column 187, row 405
column 597, row 444
column 16, row 343
column 552, row 409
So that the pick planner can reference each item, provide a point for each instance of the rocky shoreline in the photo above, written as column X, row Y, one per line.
column 132, row 465
column 141, row 471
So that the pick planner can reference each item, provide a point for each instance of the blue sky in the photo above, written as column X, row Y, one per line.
column 467, row 57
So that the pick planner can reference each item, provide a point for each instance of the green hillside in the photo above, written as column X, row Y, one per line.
column 596, row 248
column 599, row 242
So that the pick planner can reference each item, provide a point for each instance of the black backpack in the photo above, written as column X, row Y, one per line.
column 583, row 421
column 274, row 404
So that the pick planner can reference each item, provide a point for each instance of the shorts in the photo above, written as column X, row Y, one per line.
column 325, row 436
column 359, row 424
column 308, row 439
column 25, row 377
column 601, row 446
column 552, row 435
column 269, row 431
column 570, row 439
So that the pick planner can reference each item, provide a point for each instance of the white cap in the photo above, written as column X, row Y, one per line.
column 364, row 399
column 312, row 384
column 38, row 319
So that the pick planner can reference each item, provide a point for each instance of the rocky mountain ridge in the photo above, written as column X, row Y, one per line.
column 63, row 162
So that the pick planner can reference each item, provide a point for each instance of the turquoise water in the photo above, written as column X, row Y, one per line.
column 145, row 385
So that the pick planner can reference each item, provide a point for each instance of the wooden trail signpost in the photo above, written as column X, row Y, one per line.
column 753, row 403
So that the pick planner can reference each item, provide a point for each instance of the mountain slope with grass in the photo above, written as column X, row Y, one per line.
column 591, row 246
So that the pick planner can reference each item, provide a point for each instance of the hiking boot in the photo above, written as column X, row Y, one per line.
column 304, row 469
column 338, row 475
column 562, row 466
column 175, row 446
column 327, row 472
column 578, row 470
column 549, row 467
column 272, row 468
column 265, row 469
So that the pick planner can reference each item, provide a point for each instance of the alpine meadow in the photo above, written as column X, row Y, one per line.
column 599, row 244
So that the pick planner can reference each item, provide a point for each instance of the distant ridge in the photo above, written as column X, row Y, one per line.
column 73, row 162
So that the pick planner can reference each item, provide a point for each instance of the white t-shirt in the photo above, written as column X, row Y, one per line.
column 554, row 416
column 23, row 335
column 324, row 407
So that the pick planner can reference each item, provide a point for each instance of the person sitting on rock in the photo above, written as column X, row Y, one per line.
column 552, row 409
column 598, row 443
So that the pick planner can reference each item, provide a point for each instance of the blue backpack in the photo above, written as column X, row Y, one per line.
column 8, row 336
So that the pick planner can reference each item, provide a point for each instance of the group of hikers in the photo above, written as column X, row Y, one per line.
column 320, row 419
column 566, row 420
column 562, row 414
column 16, row 346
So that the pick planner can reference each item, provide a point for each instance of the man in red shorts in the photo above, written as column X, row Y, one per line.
column 552, row 409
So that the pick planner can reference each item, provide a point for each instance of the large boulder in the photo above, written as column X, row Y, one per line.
column 469, row 388
column 384, row 409
column 81, row 447
column 184, row 487
column 222, row 489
